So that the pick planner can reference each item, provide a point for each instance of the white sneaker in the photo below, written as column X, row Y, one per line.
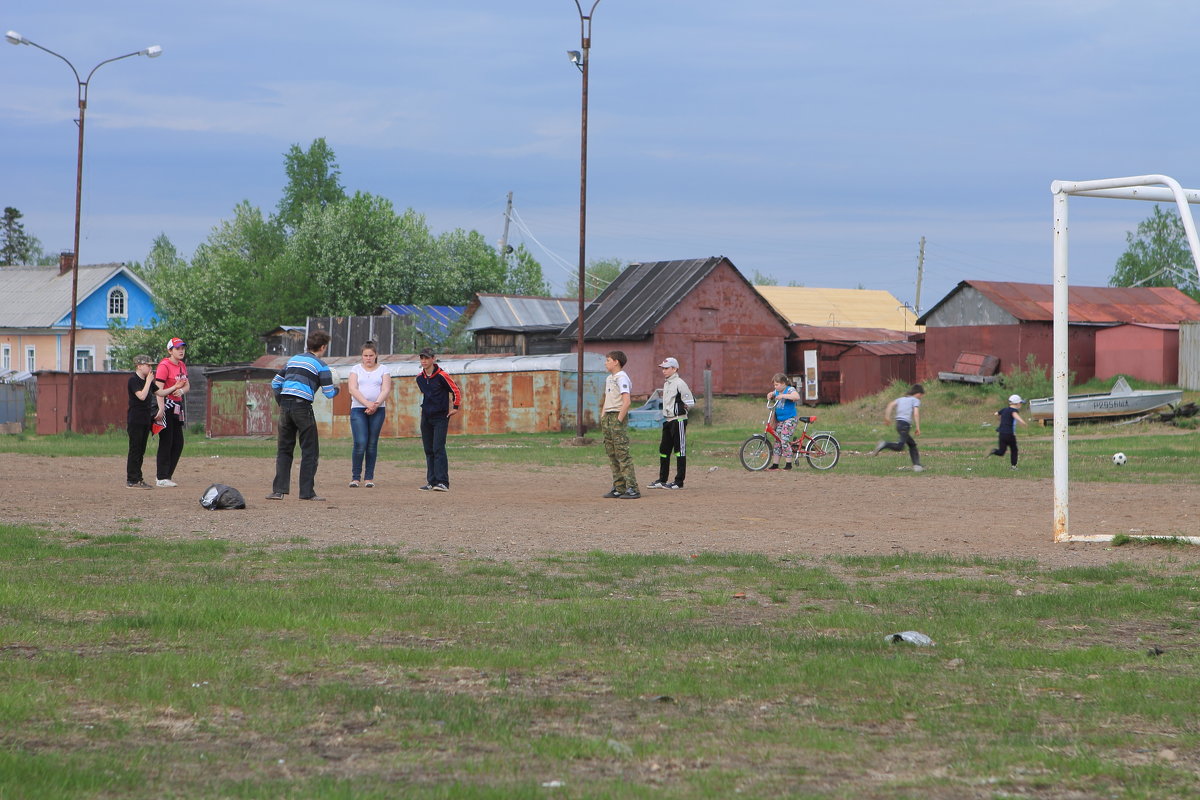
column 918, row 468
column 164, row 483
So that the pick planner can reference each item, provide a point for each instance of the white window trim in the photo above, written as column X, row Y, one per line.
column 6, row 356
column 90, row 351
column 124, row 303
column 31, row 358
column 109, row 364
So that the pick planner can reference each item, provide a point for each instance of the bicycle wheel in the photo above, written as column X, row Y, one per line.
column 756, row 453
column 823, row 452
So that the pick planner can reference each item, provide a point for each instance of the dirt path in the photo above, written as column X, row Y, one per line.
column 514, row 513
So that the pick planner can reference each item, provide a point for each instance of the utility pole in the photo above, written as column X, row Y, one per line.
column 504, row 249
column 920, row 275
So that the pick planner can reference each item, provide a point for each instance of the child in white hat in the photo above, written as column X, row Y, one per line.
column 1008, row 430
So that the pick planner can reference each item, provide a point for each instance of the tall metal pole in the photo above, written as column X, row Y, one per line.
column 585, row 44
column 82, row 89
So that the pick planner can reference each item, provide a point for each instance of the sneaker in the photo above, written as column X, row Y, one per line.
column 370, row 484
column 788, row 465
column 773, row 466
column 875, row 450
column 673, row 485
column 441, row 487
column 165, row 483
column 1014, row 466
column 137, row 485
column 314, row 498
column 353, row 484
column 658, row 485
column 427, row 487
column 918, row 468
column 630, row 494
column 613, row 492
column 275, row 496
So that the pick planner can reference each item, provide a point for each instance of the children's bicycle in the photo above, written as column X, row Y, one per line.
column 821, row 450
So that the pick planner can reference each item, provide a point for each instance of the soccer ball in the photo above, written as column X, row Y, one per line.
column 1119, row 459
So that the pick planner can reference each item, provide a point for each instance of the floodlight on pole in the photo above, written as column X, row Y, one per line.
column 580, row 59
column 154, row 51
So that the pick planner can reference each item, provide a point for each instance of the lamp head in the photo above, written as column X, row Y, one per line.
column 15, row 38
column 574, row 55
column 153, row 51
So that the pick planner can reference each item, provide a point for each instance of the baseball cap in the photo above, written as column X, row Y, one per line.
column 426, row 352
column 1014, row 398
column 670, row 362
column 176, row 342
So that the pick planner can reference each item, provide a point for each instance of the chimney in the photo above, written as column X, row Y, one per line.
column 66, row 260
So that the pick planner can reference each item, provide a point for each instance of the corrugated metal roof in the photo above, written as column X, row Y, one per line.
column 1034, row 302
column 821, row 333
column 433, row 320
column 888, row 348
column 861, row 308
column 37, row 297
column 643, row 294
column 508, row 312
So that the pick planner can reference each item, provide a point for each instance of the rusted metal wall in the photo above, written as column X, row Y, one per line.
column 1149, row 353
column 12, row 407
column 1012, row 344
column 865, row 373
column 100, row 401
column 829, row 368
column 1189, row 355
column 501, row 401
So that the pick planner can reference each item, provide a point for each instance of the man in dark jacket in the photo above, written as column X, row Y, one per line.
column 440, row 401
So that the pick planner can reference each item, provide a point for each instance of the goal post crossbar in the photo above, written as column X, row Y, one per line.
column 1154, row 188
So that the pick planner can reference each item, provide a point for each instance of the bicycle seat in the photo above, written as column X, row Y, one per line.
column 806, row 420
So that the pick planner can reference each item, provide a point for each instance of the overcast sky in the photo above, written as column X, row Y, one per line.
column 811, row 142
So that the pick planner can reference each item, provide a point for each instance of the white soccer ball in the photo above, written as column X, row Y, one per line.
column 1119, row 459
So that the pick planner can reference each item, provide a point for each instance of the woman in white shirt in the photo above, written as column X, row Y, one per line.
column 370, row 385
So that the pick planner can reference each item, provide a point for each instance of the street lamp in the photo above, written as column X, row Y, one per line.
column 580, row 59
column 153, row 51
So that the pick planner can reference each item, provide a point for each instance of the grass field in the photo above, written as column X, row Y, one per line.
column 135, row 667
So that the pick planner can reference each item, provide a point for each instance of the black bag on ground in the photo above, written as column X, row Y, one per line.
column 219, row 497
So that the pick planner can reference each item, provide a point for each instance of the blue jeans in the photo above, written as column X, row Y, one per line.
column 365, row 429
column 433, row 436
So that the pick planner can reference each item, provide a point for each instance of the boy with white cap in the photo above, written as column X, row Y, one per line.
column 1008, row 430
column 676, row 399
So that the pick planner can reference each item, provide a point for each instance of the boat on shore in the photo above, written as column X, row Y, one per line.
column 1120, row 401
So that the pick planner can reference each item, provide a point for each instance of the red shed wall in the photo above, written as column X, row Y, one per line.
column 867, row 373
column 722, row 321
column 101, row 400
column 1149, row 354
column 1012, row 344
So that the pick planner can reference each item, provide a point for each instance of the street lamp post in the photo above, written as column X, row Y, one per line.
column 153, row 51
column 580, row 59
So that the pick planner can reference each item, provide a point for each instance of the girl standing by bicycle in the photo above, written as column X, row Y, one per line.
column 785, row 397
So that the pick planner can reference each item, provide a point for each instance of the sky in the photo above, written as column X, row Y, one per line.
column 814, row 143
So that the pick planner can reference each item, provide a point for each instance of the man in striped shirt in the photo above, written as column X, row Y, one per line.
column 295, row 386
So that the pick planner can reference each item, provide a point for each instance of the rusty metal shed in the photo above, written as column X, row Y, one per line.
column 1014, row 321
column 832, row 344
column 501, row 394
column 101, row 401
column 1149, row 352
column 701, row 311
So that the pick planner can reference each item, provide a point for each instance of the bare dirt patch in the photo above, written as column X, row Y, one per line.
column 514, row 513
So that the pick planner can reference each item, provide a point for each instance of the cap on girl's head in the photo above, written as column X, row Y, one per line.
column 1014, row 398
column 176, row 342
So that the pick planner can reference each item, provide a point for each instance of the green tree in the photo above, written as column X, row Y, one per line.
column 312, row 180
column 1158, row 255
column 598, row 275
column 466, row 264
column 359, row 253
column 162, row 265
column 17, row 248
column 524, row 275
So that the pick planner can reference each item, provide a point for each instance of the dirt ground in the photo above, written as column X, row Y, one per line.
column 511, row 513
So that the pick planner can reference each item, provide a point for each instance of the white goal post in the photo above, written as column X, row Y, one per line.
column 1140, row 187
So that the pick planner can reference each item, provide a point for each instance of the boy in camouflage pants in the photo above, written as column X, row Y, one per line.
column 614, row 412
